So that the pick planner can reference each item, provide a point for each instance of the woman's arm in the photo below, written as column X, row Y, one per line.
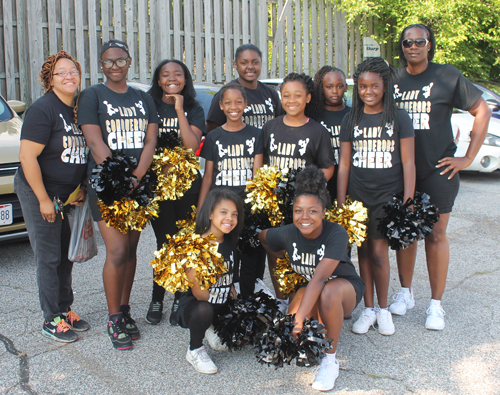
column 206, row 183
column 200, row 294
column 99, row 149
column 313, row 290
column 344, row 170
column 329, row 172
column 408, row 160
column 482, row 114
column 28, row 156
column 147, row 151
column 190, row 134
column 257, row 163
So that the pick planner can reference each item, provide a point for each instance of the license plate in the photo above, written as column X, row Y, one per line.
column 6, row 214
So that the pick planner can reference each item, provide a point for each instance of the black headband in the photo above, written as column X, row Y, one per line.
column 114, row 44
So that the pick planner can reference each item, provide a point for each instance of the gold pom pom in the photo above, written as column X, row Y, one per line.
column 126, row 214
column 181, row 166
column 187, row 250
column 287, row 279
column 188, row 224
column 353, row 217
column 261, row 193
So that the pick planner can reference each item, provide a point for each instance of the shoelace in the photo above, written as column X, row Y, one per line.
column 156, row 307
column 384, row 317
column 62, row 326
column 128, row 318
column 399, row 297
column 436, row 310
column 202, row 354
column 323, row 365
column 72, row 317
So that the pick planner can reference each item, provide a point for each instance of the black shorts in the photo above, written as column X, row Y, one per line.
column 96, row 213
column 442, row 191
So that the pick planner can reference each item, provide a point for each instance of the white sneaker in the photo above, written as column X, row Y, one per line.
column 327, row 373
column 214, row 340
column 283, row 305
column 365, row 321
column 260, row 286
column 403, row 300
column 201, row 361
column 435, row 318
column 384, row 321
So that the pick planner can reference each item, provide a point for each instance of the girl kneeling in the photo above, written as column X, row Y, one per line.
column 318, row 252
column 219, row 216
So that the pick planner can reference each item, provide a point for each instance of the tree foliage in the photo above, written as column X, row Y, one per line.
column 467, row 31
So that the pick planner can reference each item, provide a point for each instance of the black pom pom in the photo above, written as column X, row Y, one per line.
column 145, row 191
column 285, row 191
column 402, row 225
column 168, row 140
column 112, row 179
column 242, row 320
column 254, row 224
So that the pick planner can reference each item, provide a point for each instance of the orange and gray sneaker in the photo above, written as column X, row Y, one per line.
column 77, row 324
column 59, row 330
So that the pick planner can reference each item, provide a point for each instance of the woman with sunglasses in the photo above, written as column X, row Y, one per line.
column 115, row 117
column 53, row 158
column 428, row 92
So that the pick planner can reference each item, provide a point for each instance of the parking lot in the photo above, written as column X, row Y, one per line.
column 462, row 359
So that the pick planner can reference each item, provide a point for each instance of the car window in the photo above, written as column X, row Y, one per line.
column 487, row 96
column 204, row 97
column 5, row 113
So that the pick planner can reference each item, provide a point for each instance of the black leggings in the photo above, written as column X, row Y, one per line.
column 252, row 267
column 197, row 315
column 170, row 212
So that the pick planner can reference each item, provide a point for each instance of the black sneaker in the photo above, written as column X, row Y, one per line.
column 59, row 330
column 117, row 332
column 174, row 319
column 129, row 322
column 154, row 313
column 77, row 324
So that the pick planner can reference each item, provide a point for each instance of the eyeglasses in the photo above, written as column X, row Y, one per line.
column 419, row 42
column 120, row 62
column 74, row 73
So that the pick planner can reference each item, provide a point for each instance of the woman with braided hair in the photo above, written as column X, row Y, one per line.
column 330, row 86
column 53, row 158
column 376, row 162
column 318, row 252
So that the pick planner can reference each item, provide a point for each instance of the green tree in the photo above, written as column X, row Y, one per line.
column 467, row 32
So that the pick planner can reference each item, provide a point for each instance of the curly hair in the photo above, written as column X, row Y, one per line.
column 431, row 38
column 311, row 110
column 312, row 182
column 189, row 93
column 389, row 113
column 47, row 75
column 318, row 85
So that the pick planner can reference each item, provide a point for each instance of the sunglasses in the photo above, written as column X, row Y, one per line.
column 120, row 62
column 419, row 42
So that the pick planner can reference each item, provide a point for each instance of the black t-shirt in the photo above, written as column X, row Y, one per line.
column 332, row 120
column 263, row 104
column 290, row 147
column 233, row 155
column 63, row 160
column 123, row 118
column 306, row 254
column 376, row 151
column 219, row 292
column 429, row 98
column 170, row 123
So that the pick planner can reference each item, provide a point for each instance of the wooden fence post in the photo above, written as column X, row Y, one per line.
column 35, row 42
column 341, row 38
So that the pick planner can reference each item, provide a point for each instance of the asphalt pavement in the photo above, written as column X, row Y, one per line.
column 464, row 358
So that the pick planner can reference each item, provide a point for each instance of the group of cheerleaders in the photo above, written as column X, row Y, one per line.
column 396, row 137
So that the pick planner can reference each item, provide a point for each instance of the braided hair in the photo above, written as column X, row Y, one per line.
column 47, row 75
column 389, row 113
column 311, row 110
column 188, row 92
column 318, row 85
column 431, row 38
column 312, row 182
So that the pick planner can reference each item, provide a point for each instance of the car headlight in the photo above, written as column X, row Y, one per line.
column 492, row 140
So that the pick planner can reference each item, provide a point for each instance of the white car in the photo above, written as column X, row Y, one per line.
column 488, row 157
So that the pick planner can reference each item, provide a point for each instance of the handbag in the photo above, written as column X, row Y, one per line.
column 83, row 243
